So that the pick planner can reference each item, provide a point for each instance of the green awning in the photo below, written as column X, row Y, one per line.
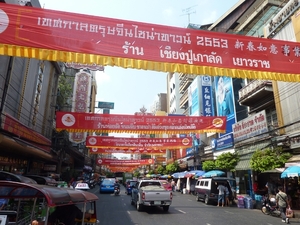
column 246, row 153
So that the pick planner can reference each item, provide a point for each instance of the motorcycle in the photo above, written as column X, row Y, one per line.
column 269, row 207
column 116, row 190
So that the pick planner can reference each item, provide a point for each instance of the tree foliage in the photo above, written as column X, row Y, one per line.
column 65, row 89
column 268, row 159
column 136, row 174
column 161, row 169
column 227, row 161
column 208, row 165
column 172, row 168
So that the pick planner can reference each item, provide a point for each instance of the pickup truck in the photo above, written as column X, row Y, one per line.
column 150, row 193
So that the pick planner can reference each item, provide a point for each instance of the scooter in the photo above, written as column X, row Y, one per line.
column 116, row 191
column 269, row 207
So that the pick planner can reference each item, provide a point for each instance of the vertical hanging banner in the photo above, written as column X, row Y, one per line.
column 81, row 101
column 109, row 123
column 76, row 38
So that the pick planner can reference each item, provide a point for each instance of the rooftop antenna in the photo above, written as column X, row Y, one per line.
column 188, row 11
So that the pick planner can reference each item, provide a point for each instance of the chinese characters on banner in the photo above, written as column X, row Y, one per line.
column 109, row 123
column 49, row 35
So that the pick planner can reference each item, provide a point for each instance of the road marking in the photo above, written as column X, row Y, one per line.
column 190, row 200
column 128, row 212
column 181, row 211
column 228, row 212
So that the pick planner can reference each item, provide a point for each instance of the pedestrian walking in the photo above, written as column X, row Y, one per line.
column 282, row 203
column 227, row 196
column 221, row 197
column 173, row 185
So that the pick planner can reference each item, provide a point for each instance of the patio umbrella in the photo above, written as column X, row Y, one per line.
column 213, row 173
column 292, row 171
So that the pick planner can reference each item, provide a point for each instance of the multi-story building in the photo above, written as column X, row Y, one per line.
column 261, row 97
column 173, row 95
column 29, row 98
column 27, row 108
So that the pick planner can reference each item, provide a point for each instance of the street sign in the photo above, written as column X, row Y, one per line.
column 106, row 105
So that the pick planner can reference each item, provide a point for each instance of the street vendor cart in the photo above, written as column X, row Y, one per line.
column 24, row 203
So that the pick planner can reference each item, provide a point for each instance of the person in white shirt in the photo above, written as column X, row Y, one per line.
column 221, row 197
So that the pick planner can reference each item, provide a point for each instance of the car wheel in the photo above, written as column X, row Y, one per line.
column 197, row 198
column 166, row 208
column 139, row 206
column 206, row 200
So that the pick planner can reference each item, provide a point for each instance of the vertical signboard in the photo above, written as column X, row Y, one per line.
column 207, row 104
column 81, row 101
column 225, row 101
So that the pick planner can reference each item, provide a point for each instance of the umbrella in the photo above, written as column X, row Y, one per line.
column 213, row 173
column 292, row 171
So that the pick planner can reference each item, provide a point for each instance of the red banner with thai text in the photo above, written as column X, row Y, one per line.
column 133, row 143
column 110, row 123
column 129, row 162
column 127, row 151
column 122, row 168
column 69, row 37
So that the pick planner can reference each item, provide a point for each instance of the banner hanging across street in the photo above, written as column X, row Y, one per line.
column 129, row 162
column 133, row 143
column 77, row 38
column 110, row 123
column 127, row 151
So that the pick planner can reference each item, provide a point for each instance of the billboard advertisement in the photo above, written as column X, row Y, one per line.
column 225, row 101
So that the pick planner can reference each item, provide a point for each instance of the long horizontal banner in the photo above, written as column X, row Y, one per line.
column 109, row 123
column 126, row 151
column 77, row 38
column 122, row 169
column 133, row 143
column 117, row 162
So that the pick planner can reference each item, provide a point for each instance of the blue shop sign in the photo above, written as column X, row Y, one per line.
column 189, row 152
column 225, row 141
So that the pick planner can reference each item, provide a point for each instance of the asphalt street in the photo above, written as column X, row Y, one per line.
column 117, row 210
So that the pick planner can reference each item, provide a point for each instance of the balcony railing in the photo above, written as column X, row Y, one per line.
column 252, row 87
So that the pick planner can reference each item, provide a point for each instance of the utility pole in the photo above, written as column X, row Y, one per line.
column 188, row 11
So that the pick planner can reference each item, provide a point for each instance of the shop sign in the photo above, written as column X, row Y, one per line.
column 49, row 168
column 225, row 141
column 251, row 126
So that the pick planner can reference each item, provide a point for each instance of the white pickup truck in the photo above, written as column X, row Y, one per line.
column 150, row 193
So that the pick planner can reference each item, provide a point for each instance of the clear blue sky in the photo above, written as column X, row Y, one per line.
column 131, row 89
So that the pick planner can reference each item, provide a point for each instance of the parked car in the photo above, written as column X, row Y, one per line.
column 206, row 188
column 129, row 185
column 166, row 185
column 107, row 185
column 15, row 177
column 43, row 180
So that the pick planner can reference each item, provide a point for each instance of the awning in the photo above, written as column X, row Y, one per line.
column 293, row 161
column 245, row 152
column 243, row 164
